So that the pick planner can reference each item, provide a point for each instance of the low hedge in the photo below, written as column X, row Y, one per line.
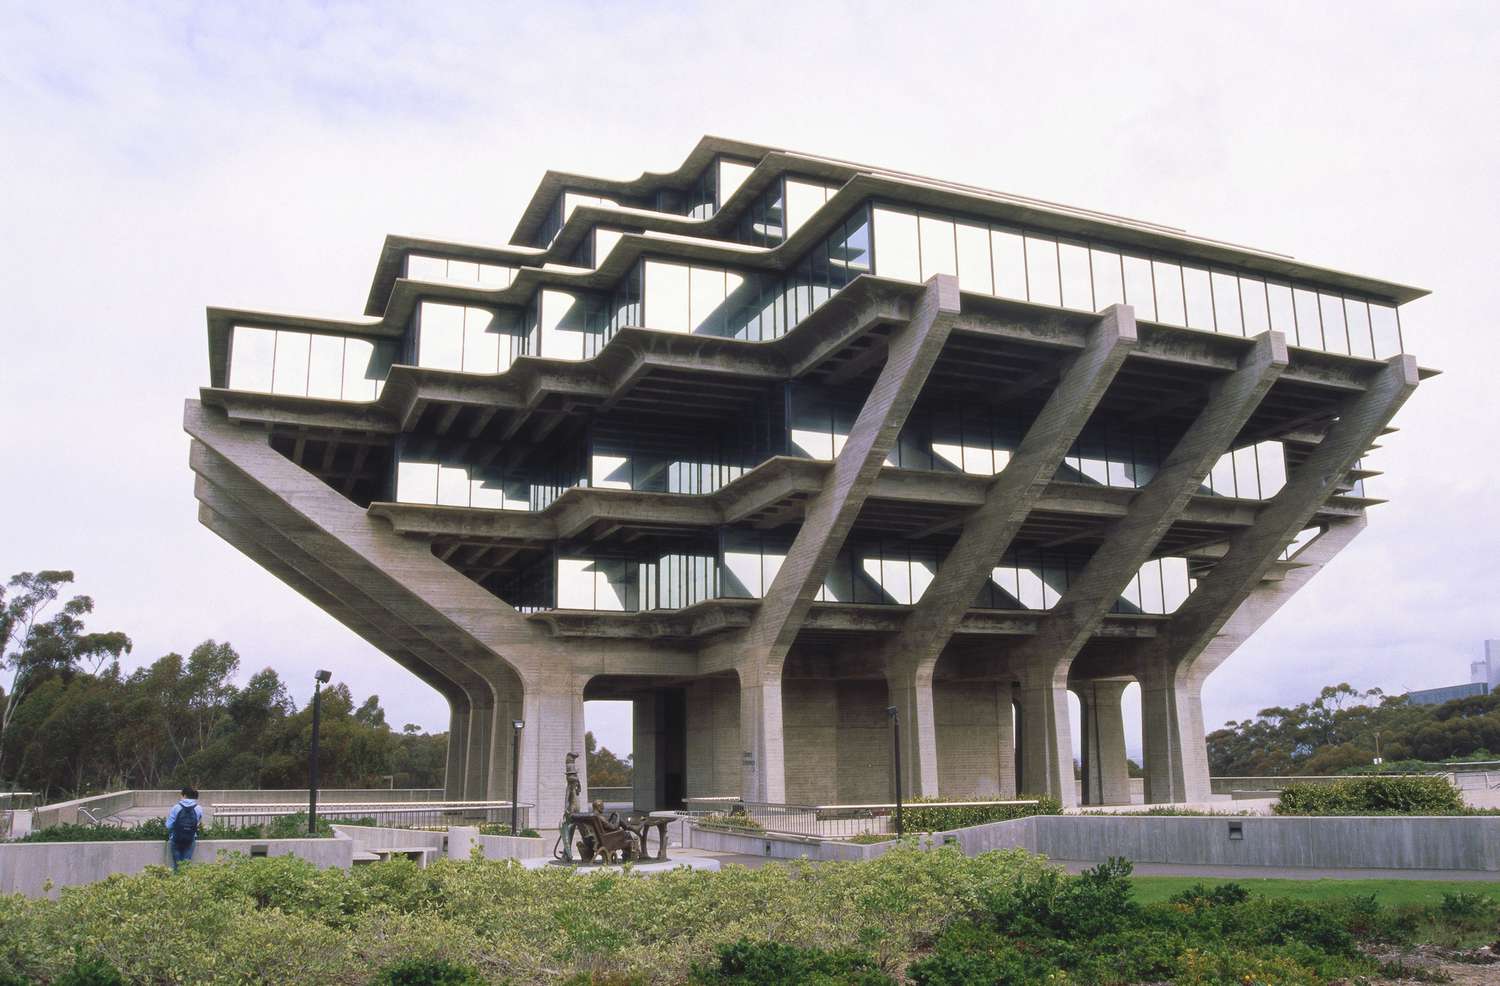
column 155, row 830
column 917, row 818
column 1373, row 796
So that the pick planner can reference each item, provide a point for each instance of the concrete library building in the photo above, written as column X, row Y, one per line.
column 783, row 449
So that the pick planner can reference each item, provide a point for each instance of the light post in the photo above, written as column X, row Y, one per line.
column 320, row 678
column 895, row 715
column 515, row 773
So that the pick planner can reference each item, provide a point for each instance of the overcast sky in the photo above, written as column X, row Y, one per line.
column 156, row 159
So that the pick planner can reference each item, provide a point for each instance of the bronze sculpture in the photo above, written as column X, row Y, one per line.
column 602, row 837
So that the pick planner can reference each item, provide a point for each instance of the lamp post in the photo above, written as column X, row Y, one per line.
column 320, row 678
column 895, row 715
column 515, row 773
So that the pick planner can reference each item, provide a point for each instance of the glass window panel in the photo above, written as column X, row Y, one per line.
column 1246, row 477
column 1309, row 326
column 610, row 472
column 464, row 271
column 420, row 268
column 1199, row 298
column 1168, row 281
column 1174, row 581
column 1283, row 317
column 1253, row 304
column 325, row 367
column 706, row 300
column 1130, row 596
column 1357, row 315
column 494, row 276
column 974, row 267
column 481, row 341
column 563, row 325
column 1077, row 282
column 897, row 253
column 732, row 175
column 924, row 566
column 818, row 265
column 742, row 574
column 856, row 251
column 1031, row 590
column 604, row 242
column 486, row 490
column 895, row 578
column 575, row 583
column 1150, row 587
column 1093, row 461
column 802, row 200
column 947, row 441
column 812, row 428
column 453, row 486
column 1008, row 251
column 1221, row 477
column 1335, row 335
column 1387, row 336
column 1041, row 271
column 440, row 336
column 770, row 564
column 252, row 358
column 938, row 255
column 1140, row 293
column 416, row 482
column 1270, row 460
column 1109, row 289
column 666, row 296
column 612, row 589
column 291, row 363
column 360, row 372
column 1227, row 303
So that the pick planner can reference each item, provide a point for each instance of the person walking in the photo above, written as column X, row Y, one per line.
column 183, row 822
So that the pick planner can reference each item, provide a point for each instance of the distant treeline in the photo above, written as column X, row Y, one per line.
column 1340, row 731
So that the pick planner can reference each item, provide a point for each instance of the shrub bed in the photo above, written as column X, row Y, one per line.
column 917, row 818
column 739, row 823
column 1373, row 795
column 930, row 918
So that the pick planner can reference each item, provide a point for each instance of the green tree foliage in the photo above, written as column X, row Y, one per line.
column 75, row 723
column 604, row 767
column 1338, row 731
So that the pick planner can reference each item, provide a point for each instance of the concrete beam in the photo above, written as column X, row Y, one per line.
column 989, row 530
column 1132, row 539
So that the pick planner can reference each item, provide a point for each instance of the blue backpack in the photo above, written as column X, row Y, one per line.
column 185, row 825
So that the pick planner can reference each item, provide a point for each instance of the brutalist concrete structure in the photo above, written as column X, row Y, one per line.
column 771, row 442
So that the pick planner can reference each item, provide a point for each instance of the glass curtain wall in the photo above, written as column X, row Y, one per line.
column 781, row 209
column 451, row 475
column 304, row 364
column 465, row 338
column 718, row 182
column 691, row 458
column 1029, row 265
column 421, row 267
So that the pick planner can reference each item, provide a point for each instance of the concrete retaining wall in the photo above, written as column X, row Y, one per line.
column 1458, row 843
column 370, row 837
column 463, row 838
column 28, row 867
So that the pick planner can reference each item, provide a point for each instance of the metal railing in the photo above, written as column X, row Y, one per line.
column 411, row 814
column 823, row 821
column 101, row 808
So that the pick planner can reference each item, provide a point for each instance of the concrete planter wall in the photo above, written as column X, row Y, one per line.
column 778, row 846
column 28, row 867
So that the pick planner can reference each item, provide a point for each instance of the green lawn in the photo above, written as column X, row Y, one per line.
column 1389, row 892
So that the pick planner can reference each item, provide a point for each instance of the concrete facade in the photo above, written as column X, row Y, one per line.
column 768, row 471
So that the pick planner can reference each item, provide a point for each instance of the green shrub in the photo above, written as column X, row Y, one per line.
column 292, row 826
column 766, row 963
column 732, row 821
column 1198, row 896
column 500, row 828
column 91, row 972
column 869, row 838
column 428, row 972
column 1373, row 795
column 916, row 818
column 1465, row 905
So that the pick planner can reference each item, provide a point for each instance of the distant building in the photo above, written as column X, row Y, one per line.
column 1484, row 677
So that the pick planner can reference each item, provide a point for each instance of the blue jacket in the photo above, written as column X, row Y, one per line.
column 184, row 803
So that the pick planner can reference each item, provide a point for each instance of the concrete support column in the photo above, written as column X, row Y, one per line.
column 1005, row 726
column 1106, row 774
column 1046, row 734
column 1172, row 734
column 552, row 709
column 763, row 762
column 644, row 739
column 477, row 762
column 458, row 752
column 910, row 692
